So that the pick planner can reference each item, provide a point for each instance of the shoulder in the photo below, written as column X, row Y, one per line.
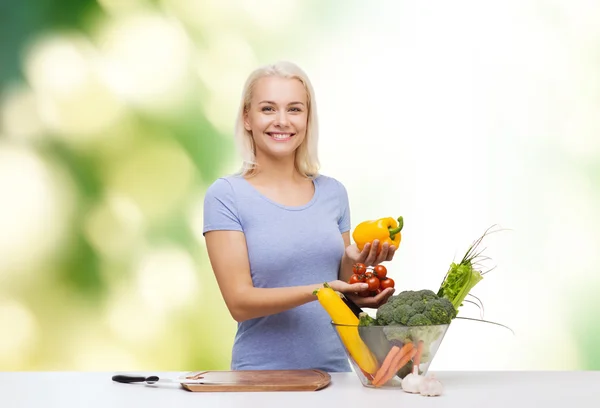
column 223, row 186
column 220, row 210
column 331, row 183
column 224, row 191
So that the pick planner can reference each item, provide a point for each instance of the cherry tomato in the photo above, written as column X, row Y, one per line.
column 359, row 269
column 354, row 279
column 364, row 293
column 386, row 283
column 380, row 271
column 373, row 283
column 368, row 275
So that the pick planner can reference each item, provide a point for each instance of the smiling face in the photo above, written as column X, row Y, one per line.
column 277, row 117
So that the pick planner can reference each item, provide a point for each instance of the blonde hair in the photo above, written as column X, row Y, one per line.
column 306, row 161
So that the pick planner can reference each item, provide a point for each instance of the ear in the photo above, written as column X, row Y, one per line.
column 247, row 122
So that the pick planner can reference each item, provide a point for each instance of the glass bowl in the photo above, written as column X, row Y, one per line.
column 383, row 355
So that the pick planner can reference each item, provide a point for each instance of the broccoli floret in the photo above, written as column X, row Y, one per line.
column 402, row 314
column 419, row 306
column 427, row 294
column 365, row 320
column 398, row 335
column 440, row 311
column 415, row 308
column 385, row 312
column 419, row 320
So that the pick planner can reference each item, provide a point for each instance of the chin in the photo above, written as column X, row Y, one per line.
column 283, row 154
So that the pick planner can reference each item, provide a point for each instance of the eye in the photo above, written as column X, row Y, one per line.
column 295, row 109
column 266, row 109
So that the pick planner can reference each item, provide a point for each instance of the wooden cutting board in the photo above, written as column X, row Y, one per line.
column 259, row 380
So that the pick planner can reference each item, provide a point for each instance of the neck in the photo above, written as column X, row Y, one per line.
column 282, row 170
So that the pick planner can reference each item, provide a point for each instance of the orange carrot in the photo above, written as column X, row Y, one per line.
column 417, row 359
column 388, row 366
column 397, row 364
column 386, row 363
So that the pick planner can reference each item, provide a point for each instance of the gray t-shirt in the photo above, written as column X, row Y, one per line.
column 287, row 246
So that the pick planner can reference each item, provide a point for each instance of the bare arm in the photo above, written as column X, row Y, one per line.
column 347, row 263
column 228, row 255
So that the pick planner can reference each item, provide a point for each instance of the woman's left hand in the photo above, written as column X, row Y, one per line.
column 368, row 255
column 351, row 291
column 371, row 302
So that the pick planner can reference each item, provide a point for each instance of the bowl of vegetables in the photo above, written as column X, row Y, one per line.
column 396, row 347
column 402, row 339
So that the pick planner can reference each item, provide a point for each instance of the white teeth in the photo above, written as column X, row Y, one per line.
column 280, row 136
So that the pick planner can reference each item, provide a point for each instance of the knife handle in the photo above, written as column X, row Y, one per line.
column 355, row 309
column 133, row 378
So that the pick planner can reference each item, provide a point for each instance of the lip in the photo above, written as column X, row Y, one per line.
column 270, row 134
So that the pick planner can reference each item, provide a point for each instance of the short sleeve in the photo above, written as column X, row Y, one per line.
column 344, row 218
column 220, row 208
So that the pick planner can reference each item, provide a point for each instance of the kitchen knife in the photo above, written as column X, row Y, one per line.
column 355, row 309
column 154, row 379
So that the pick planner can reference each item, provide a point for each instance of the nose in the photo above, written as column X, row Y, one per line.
column 281, row 119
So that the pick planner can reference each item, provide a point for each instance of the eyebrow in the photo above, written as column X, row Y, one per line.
column 291, row 103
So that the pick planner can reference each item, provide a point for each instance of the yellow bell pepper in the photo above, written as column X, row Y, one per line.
column 341, row 314
column 384, row 229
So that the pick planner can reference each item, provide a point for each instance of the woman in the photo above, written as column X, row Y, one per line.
column 278, row 230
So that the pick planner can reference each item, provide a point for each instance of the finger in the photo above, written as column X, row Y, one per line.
column 372, row 253
column 383, row 254
column 390, row 254
column 389, row 294
column 375, row 301
column 364, row 253
column 385, row 294
column 356, row 287
column 345, row 287
column 364, row 302
column 357, row 255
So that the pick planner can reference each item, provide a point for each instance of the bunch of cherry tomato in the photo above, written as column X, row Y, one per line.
column 374, row 276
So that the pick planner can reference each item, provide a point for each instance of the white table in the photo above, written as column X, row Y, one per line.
column 462, row 390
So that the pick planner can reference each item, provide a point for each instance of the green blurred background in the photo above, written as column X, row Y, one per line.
column 117, row 114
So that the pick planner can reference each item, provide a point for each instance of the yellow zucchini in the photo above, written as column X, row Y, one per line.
column 340, row 313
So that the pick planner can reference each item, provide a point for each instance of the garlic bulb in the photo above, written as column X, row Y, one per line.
column 412, row 381
column 430, row 386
